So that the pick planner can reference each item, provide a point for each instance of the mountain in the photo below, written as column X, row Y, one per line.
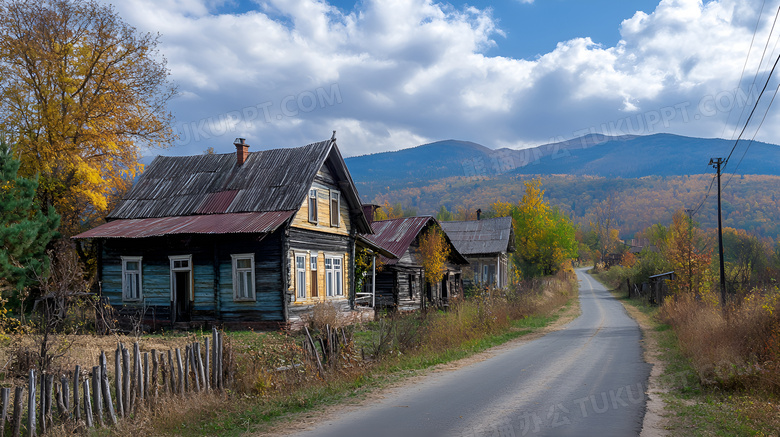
column 593, row 155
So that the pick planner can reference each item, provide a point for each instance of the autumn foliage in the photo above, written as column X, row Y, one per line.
column 81, row 91
column 434, row 251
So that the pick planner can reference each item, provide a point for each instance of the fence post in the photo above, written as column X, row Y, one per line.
column 31, row 405
column 126, row 380
column 118, row 380
column 76, row 403
column 87, row 404
column 97, row 398
column 199, row 360
column 187, row 368
column 146, row 376
column 17, row 422
column 106, row 387
column 66, row 393
column 4, row 395
column 180, row 372
column 155, row 373
column 214, row 379
column 172, row 373
column 206, row 373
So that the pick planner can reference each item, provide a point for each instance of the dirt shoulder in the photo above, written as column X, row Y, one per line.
column 654, row 424
column 308, row 420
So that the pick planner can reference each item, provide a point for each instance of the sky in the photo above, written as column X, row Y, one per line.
column 393, row 74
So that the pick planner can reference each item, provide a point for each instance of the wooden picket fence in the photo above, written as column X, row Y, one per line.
column 87, row 397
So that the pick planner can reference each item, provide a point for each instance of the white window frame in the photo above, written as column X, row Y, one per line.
column 126, row 297
column 312, row 199
column 334, row 277
column 251, row 294
column 335, row 195
column 300, row 276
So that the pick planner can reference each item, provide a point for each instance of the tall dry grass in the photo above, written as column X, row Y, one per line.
column 736, row 347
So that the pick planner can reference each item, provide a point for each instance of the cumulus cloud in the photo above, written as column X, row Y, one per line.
column 395, row 74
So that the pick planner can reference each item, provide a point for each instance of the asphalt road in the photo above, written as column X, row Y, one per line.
column 587, row 379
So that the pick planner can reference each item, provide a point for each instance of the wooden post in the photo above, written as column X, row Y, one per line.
column 106, row 387
column 201, row 372
column 97, row 398
column 214, row 378
column 76, row 403
column 220, row 359
column 180, row 372
column 126, row 381
column 118, row 380
column 206, row 369
column 187, row 368
column 172, row 376
column 17, row 422
column 66, row 393
column 87, row 404
column 49, row 400
column 43, row 403
column 61, row 403
column 31, row 431
column 146, row 377
column 194, row 365
column 139, row 381
column 314, row 349
column 5, row 393
column 155, row 373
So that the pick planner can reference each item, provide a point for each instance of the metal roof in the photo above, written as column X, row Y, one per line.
column 481, row 237
column 395, row 235
column 269, row 180
column 237, row 223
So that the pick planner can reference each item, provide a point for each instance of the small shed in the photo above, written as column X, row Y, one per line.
column 486, row 244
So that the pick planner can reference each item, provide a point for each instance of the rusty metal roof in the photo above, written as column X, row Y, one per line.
column 269, row 180
column 481, row 237
column 395, row 235
column 236, row 223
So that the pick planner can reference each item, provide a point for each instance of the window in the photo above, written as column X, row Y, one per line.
column 131, row 279
column 313, row 205
column 300, row 276
column 243, row 277
column 314, row 285
column 335, row 204
column 333, row 277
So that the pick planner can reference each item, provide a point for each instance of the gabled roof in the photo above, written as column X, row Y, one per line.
column 481, row 237
column 395, row 236
column 190, row 186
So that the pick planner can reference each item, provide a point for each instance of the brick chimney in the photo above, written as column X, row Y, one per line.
column 368, row 211
column 242, row 150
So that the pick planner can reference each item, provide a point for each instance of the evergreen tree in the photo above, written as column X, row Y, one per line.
column 24, row 229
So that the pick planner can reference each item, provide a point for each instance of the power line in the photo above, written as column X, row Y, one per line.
column 706, row 196
column 751, row 112
column 744, row 66
column 753, row 138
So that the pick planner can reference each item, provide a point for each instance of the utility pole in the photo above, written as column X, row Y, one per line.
column 716, row 163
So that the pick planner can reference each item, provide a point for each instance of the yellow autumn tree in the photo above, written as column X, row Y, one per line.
column 81, row 91
column 434, row 251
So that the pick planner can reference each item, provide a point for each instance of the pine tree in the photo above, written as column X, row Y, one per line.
column 24, row 229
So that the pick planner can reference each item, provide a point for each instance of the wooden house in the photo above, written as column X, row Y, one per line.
column 486, row 244
column 400, row 283
column 247, row 239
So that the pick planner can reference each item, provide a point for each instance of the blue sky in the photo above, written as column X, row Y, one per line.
column 392, row 74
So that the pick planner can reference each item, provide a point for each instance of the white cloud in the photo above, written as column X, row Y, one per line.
column 394, row 74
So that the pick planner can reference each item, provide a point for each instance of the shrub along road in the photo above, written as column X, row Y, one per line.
column 588, row 378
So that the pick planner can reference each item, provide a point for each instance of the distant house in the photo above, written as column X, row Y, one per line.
column 248, row 239
column 486, row 244
column 401, row 282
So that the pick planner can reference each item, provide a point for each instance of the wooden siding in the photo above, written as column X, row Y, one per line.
column 324, row 182
column 156, row 288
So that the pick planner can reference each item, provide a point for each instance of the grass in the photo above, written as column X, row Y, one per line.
column 253, row 413
column 697, row 409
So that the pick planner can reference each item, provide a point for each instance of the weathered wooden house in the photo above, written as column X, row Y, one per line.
column 486, row 244
column 401, row 283
column 247, row 239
